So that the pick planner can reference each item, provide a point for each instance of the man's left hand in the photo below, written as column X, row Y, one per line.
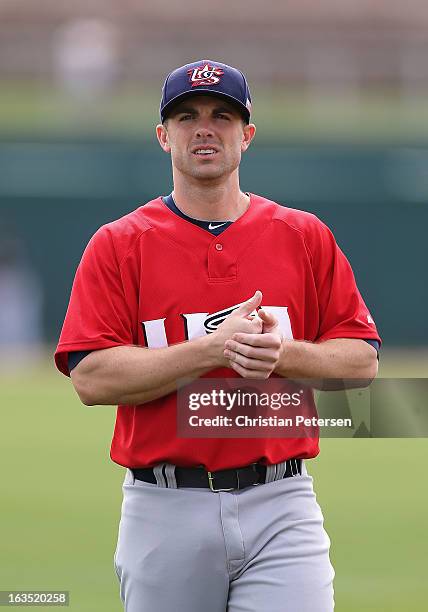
column 256, row 355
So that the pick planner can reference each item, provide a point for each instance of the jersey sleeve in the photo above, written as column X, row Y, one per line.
column 342, row 311
column 98, row 316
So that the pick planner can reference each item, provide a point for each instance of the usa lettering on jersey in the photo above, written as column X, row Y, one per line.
column 198, row 324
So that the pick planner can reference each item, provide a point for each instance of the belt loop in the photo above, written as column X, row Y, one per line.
column 294, row 466
column 270, row 473
column 170, row 476
column 280, row 470
column 129, row 477
column 160, row 479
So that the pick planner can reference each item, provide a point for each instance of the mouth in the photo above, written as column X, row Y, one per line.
column 205, row 152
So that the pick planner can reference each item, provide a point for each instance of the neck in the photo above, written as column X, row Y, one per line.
column 211, row 202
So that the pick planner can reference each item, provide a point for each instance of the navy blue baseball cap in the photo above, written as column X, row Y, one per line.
column 206, row 77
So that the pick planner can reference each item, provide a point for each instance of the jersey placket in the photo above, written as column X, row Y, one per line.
column 221, row 260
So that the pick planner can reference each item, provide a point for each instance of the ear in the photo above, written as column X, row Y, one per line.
column 249, row 132
column 163, row 137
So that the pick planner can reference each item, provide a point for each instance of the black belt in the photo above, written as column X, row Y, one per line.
column 222, row 480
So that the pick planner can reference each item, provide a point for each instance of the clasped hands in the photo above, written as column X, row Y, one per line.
column 252, row 344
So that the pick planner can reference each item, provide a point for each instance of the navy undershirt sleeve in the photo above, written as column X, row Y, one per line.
column 76, row 357
column 375, row 344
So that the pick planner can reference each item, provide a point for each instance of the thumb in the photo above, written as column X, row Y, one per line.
column 269, row 320
column 250, row 305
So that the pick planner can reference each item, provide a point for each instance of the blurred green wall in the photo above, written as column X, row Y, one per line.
column 54, row 195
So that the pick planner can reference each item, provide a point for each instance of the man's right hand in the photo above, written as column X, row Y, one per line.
column 240, row 320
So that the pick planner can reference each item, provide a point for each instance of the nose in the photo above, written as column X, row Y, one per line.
column 204, row 130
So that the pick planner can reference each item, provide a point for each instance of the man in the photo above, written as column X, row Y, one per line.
column 170, row 292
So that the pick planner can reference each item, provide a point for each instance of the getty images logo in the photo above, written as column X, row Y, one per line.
column 198, row 324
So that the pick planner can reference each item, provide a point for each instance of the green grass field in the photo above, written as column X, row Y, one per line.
column 287, row 114
column 61, row 498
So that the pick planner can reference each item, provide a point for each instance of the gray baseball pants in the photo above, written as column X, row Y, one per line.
column 260, row 549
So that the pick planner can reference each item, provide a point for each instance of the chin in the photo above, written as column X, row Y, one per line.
column 208, row 173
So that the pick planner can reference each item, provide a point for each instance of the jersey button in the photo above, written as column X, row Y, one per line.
column 219, row 246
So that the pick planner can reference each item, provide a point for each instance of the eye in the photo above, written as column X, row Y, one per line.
column 223, row 116
column 185, row 117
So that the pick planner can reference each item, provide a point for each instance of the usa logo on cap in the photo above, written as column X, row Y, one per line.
column 205, row 75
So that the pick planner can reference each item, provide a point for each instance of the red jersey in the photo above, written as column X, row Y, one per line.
column 154, row 279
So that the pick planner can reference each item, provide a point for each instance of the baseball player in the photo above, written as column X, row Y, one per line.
column 169, row 291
